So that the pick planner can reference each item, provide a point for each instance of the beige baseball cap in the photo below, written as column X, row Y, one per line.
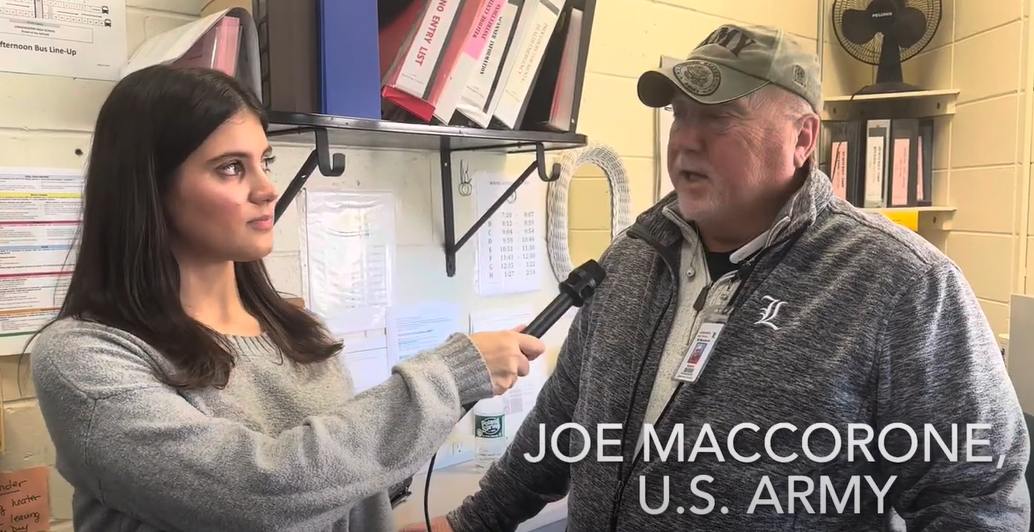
column 734, row 61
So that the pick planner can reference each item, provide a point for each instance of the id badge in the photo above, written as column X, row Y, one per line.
column 699, row 352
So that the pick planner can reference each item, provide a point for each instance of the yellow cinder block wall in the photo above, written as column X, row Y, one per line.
column 981, row 164
column 978, row 153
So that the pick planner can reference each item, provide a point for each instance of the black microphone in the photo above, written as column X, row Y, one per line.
column 578, row 288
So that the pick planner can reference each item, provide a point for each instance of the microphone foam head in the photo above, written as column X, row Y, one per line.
column 594, row 270
column 583, row 281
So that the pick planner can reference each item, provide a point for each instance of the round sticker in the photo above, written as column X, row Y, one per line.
column 698, row 77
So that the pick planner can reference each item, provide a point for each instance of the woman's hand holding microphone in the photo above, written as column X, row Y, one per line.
column 508, row 355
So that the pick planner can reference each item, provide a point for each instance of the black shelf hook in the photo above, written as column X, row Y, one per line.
column 330, row 165
column 319, row 157
column 453, row 244
column 540, row 163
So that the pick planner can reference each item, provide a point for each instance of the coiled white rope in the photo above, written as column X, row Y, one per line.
column 557, row 201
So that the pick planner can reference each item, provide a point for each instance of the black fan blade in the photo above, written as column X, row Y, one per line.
column 909, row 26
column 857, row 26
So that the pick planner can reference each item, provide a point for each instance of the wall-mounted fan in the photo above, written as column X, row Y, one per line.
column 884, row 33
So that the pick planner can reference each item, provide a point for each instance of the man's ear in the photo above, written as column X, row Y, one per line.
column 807, row 139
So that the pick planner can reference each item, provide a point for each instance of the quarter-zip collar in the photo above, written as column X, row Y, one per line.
column 665, row 224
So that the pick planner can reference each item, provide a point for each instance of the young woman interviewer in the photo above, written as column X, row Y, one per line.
column 181, row 392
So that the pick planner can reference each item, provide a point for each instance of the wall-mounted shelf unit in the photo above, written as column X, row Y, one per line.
column 916, row 104
column 919, row 218
column 323, row 131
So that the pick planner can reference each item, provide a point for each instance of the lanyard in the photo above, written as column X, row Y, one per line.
column 702, row 345
column 751, row 263
column 746, row 269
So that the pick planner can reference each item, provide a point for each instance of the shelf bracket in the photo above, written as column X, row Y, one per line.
column 330, row 165
column 452, row 245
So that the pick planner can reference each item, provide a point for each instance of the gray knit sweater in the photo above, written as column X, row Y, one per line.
column 284, row 447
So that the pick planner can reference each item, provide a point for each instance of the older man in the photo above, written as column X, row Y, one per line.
column 766, row 351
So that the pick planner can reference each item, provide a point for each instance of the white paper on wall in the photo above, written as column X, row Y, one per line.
column 413, row 329
column 75, row 39
column 365, row 356
column 509, row 258
column 349, row 241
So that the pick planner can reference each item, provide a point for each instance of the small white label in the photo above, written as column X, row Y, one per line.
column 699, row 351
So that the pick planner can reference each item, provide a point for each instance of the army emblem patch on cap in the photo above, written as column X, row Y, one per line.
column 698, row 77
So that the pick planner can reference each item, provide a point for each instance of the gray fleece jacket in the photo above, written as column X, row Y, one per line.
column 844, row 319
column 284, row 447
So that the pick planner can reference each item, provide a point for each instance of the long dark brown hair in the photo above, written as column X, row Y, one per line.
column 125, row 274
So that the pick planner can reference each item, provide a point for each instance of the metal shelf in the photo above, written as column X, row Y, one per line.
column 935, row 217
column 914, row 104
column 322, row 132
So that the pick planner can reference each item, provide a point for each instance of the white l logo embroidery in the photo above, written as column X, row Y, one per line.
column 770, row 312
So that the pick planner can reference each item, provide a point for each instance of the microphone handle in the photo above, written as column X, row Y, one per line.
column 549, row 316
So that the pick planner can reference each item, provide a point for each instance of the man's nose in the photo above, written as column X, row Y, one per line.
column 685, row 136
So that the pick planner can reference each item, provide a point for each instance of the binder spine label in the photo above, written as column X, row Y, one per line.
column 839, row 169
column 515, row 92
column 486, row 22
column 416, row 72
